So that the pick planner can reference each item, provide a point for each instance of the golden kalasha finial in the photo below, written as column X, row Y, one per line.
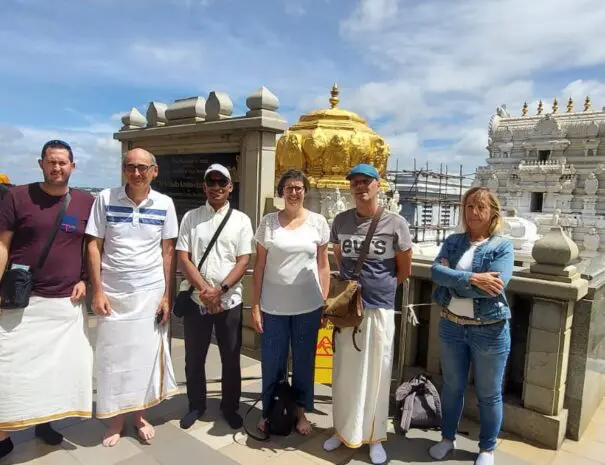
column 555, row 106
column 587, row 104
column 334, row 96
column 570, row 105
column 525, row 109
column 540, row 107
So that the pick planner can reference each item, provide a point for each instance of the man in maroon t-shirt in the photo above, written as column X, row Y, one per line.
column 45, row 355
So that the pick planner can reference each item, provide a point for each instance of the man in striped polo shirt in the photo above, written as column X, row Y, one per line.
column 131, row 258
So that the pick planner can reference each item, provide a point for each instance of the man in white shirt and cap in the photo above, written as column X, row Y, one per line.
column 217, row 293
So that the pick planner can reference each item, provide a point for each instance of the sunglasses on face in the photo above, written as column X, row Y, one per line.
column 217, row 182
column 131, row 168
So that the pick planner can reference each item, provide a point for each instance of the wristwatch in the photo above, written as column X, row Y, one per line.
column 224, row 288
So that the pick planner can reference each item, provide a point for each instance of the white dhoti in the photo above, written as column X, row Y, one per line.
column 362, row 380
column 132, row 359
column 45, row 363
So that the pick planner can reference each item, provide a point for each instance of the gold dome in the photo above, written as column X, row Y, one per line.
column 326, row 144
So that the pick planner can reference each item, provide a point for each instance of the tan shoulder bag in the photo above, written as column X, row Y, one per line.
column 345, row 310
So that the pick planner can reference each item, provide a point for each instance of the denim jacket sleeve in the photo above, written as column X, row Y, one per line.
column 503, row 262
column 446, row 276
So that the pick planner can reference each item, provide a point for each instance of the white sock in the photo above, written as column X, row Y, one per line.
column 485, row 458
column 440, row 450
column 377, row 453
column 332, row 443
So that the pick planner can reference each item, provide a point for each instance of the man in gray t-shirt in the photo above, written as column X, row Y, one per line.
column 361, row 381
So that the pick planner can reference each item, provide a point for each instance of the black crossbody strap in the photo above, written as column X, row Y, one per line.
column 365, row 247
column 53, row 232
column 212, row 241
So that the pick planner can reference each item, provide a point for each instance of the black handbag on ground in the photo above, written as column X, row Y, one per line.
column 282, row 411
column 17, row 283
column 183, row 303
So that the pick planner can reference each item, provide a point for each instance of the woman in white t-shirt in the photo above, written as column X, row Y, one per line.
column 291, row 282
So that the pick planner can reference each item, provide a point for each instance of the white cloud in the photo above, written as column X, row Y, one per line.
column 370, row 15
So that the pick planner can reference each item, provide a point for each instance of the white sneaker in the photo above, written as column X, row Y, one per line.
column 377, row 453
column 332, row 443
column 441, row 449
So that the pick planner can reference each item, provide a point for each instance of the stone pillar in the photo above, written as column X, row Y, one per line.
column 549, row 331
column 258, row 165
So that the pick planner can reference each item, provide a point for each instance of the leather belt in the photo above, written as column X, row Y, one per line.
column 460, row 320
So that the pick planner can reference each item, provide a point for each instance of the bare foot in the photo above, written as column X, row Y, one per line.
column 114, row 432
column 303, row 426
column 145, row 431
column 261, row 424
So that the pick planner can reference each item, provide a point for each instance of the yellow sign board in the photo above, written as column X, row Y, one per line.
column 324, row 355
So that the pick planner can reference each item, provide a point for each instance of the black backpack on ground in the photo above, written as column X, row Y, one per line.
column 282, row 412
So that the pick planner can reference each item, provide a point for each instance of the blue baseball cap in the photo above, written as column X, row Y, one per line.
column 364, row 169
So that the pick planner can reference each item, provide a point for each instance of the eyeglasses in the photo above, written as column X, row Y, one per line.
column 296, row 189
column 359, row 182
column 216, row 182
column 130, row 168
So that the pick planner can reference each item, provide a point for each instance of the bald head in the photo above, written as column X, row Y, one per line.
column 138, row 155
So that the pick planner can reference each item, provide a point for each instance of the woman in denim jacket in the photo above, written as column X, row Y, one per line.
column 472, row 271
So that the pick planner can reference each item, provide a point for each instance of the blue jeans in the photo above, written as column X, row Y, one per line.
column 487, row 347
column 279, row 332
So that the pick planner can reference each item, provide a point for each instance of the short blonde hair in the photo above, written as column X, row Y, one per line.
column 485, row 194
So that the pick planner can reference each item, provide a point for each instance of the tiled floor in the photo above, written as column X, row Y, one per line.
column 211, row 442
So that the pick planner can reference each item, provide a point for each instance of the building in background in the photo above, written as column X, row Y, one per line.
column 550, row 169
column 430, row 200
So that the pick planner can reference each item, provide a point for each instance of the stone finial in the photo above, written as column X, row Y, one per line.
column 555, row 106
column 133, row 120
column 555, row 249
column 525, row 109
column 587, row 104
column 156, row 114
column 570, row 105
column 334, row 96
column 218, row 106
column 540, row 107
column 186, row 110
column 262, row 101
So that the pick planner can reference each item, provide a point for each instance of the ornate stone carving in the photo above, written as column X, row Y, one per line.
column 393, row 203
column 548, row 127
column 592, row 241
column 502, row 112
column 492, row 182
column 591, row 185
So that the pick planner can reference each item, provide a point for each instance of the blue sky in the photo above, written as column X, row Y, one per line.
column 427, row 74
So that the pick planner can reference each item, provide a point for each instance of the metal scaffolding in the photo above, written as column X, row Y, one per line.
column 424, row 192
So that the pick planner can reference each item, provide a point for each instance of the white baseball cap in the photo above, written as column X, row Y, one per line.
column 218, row 168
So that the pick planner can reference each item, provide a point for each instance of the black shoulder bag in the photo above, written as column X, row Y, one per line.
column 183, row 303
column 17, row 283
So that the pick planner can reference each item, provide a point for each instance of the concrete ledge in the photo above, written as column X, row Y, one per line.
column 421, row 269
column 259, row 123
